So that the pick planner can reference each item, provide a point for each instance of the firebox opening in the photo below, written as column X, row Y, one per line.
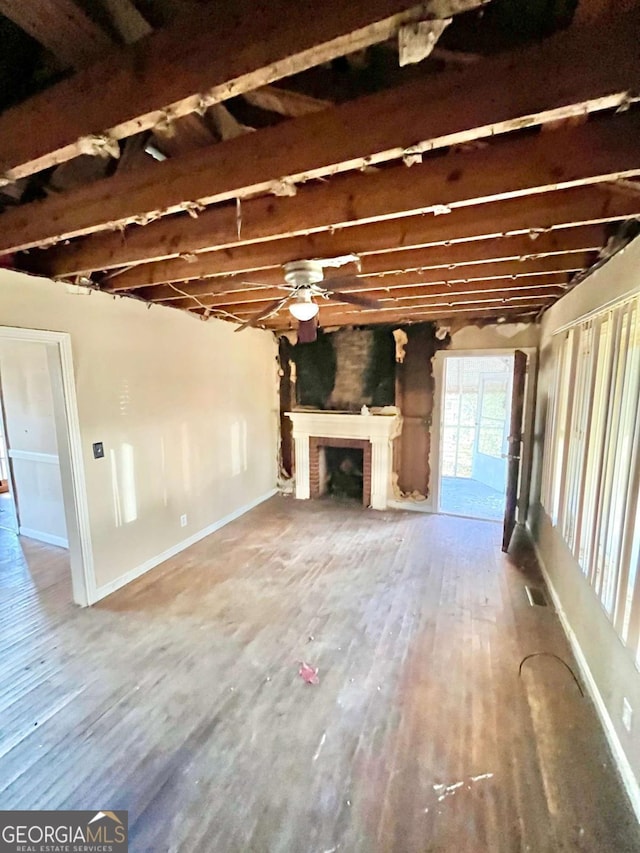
column 343, row 472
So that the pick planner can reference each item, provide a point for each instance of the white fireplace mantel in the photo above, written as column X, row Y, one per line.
column 379, row 429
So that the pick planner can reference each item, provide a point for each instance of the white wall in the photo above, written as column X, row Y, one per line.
column 609, row 664
column 186, row 410
column 28, row 406
column 496, row 336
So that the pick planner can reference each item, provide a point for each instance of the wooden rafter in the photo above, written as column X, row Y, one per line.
column 334, row 313
column 505, row 169
column 418, row 115
column 551, row 243
column 553, row 210
column 554, row 281
column 213, row 54
column 229, row 292
column 409, row 297
column 489, row 311
column 62, row 27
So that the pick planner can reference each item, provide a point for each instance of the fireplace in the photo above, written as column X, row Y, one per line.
column 323, row 462
column 314, row 432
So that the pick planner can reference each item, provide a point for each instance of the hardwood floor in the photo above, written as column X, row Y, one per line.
column 178, row 698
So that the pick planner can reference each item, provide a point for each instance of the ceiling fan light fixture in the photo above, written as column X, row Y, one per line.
column 304, row 308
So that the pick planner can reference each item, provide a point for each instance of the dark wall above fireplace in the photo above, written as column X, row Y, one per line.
column 344, row 370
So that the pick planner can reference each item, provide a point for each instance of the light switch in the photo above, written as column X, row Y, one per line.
column 98, row 450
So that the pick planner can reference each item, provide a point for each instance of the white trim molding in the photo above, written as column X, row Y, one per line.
column 629, row 780
column 123, row 580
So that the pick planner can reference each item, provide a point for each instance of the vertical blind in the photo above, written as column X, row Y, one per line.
column 591, row 466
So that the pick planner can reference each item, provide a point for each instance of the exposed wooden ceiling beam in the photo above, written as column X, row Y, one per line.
column 353, row 317
column 221, row 290
column 213, row 54
column 359, row 315
column 62, row 27
column 507, row 168
column 551, row 243
column 407, row 297
column 417, row 116
column 186, row 295
column 471, row 297
column 554, row 210
column 553, row 281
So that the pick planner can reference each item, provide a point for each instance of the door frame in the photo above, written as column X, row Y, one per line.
column 74, row 490
column 11, row 491
column 435, row 458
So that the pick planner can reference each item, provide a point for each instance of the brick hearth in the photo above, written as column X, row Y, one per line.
column 317, row 442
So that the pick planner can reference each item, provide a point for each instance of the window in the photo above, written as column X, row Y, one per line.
column 591, row 466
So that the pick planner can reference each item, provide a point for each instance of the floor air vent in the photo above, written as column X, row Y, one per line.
column 536, row 596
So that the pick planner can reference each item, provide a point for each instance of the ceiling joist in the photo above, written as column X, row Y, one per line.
column 62, row 27
column 418, row 117
column 534, row 272
column 553, row 281
column 583, row 239
column 490, row 311
column 408, row 298
column 508, row 168
column 206, row 57
column 531, row 214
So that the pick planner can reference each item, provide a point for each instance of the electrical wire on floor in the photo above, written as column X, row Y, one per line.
column 551, row 655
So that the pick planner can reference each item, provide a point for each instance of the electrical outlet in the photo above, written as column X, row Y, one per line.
column 627, row 714
column 183, row 521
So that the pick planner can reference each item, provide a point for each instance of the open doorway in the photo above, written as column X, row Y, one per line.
column 8, row 515
column 34, row 506
column 476, row 410
column 41, row 452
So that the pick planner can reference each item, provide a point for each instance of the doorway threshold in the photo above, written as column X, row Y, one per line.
column 470, row 517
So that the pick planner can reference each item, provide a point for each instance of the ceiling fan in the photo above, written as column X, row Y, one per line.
column 303, row 281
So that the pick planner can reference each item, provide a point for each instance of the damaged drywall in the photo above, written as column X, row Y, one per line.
column 414, row 397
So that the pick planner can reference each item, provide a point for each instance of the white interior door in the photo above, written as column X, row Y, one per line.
column 32, row 449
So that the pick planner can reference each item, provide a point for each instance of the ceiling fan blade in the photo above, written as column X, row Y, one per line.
column 264, row 284
column 271, row 308
column 354, row 299
column 308, row 330
column 346, row 282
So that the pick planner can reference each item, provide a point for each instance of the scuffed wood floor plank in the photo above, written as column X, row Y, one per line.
column 178, row 697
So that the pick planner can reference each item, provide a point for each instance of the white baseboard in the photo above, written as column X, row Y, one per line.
column 629, row 780
column 412, row 506
column 102, row 591
column 47, row 538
